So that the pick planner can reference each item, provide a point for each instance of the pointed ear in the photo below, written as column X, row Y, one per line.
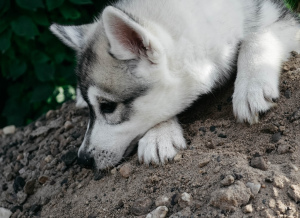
column 128, row 39
column 72, row 36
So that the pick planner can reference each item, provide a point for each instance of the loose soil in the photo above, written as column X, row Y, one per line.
column 229, row 169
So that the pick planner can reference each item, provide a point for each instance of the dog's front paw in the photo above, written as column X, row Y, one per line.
column 161, row 143
column 253, row 97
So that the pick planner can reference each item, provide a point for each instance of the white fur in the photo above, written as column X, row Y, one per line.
column 184, row 49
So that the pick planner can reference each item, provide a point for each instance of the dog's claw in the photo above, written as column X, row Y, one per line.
column 161, row 143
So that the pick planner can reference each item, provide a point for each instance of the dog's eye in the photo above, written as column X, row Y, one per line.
column 108, row 107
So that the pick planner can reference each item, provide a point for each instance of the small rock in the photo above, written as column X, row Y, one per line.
column 276, row 137
column 20, row 157
column 185, row 200
column 288, row 94
column 281, row 128
column 278, row 182
column 126, row 170
column 228, row 180
column 113, row 171
column 69, row 158
column 49, row 158
column 259, row 163
column 68, row 125
column 248, row 208
column 178, row 157
column 8, row 130
column 272, row 203
column 283, row 149
column 212, row 128
column 232, row 197
column 5, row 213
column 50, row 114
column 294, row 192
column 159, row 212
column 11, row 198
column 281, row 206
column 34, row 209
column 269, row 128
column 43, row 179
column 43, row 130
column 204, row 162
column 22, row 197
column 141, row 206
column 255, row 188
column 19, row 183
column 186, row 212
column 162, row 201
column 29, row 187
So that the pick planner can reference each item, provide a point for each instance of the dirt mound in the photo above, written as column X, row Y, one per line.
column 228, row 170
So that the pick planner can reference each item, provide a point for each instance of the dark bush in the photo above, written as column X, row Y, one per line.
column 37, row 71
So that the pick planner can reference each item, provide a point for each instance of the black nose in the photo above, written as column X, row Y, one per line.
column 85, row 160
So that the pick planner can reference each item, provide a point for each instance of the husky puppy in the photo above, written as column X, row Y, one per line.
column 144, row 61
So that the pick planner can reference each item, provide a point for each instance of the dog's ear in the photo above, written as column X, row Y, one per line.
column 128, row 39
column 72, row 36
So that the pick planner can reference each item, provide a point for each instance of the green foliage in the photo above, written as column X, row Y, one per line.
column 37, row 70
column 292, row 4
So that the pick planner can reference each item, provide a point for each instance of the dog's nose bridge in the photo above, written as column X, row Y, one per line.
column 85, row 159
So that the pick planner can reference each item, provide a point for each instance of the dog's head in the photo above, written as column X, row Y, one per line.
column 125, row 78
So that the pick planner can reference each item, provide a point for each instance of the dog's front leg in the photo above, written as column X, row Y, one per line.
column 161, row 143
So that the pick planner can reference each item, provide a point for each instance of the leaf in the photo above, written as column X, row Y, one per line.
column 17, row 69
column 81, row 2
column 41, row 19
column 5, row 41
column 4, row 6
column 69, row 13
column 23, row 26
column 32, row 5
column 41, row 92
column 44, row 71
column 39, row 57
column 52, row 4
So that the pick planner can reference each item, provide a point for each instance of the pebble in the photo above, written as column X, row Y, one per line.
column 204, row 162
column 281, row 206
column 69, row 158
column 29, row 187
column 162, row 201
column 43, row 130
column 272, row 203
column 186, row 212
column 68, row 125
column 294, row 192
column 43, row 179
column 228, row 180
column 48, row 159
column 288, row 94
column 283, row 149
column 178, row 157
column 19, row 183
column 254, row 187
column 269, row 128
column 259, row 163
column 20, row 157
column 34, row 209
column 50, row 114
column 5, row 213
column 185, row 200
column 248, row 208
column 231, row 198
column 276, row 137
column 126, row 170
column 278, row 183
column 160, row 212
column 113, row 171
column 141, row 206
column 21, row 197
column 8, row 130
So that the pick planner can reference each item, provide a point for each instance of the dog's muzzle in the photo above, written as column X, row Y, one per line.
column 85, row 160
